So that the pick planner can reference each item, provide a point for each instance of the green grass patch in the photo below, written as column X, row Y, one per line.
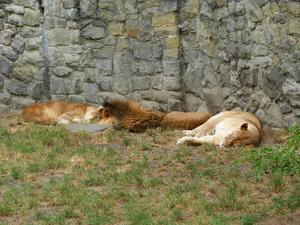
column 283, row 159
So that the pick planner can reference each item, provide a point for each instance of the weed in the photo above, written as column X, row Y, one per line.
column 145, row 147
column 294, row 140
column 248, row 220
column 177, row 214
column 93, row 179
column 154, row 182
column 16, row 172
column 220, row 220
column 276, row 182
column 51, row 219
column 3, row 131
column 228, row 198
column 128, row 141
column 34, row 167
column 292, row 202
column 182, row 153
column 111, row 135
column 97, row 219
column 138, row 217
column 5, row 210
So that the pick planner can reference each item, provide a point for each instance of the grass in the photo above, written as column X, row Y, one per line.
column 50, row 176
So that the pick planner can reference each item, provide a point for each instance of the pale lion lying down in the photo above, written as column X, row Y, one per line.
column 225, row 129
column 61, row 112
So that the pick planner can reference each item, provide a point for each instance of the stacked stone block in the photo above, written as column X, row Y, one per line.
column 167, row 54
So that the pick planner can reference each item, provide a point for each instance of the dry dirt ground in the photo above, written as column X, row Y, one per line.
column 51, row 176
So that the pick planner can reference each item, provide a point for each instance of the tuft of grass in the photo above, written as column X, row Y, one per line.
column 294, row 140
column 3, row 131
column 276, row 182
column 93, row 179
column 183, row 152
column 51, row 219
column 292, row 202
column 220, row 220
column 145, row 147
column 97, row 219
column 248, row 220
column 138, row 217
column 34, row 167
column 228, row 199
column 177, row 214
column 5, row 210
column 16, row 172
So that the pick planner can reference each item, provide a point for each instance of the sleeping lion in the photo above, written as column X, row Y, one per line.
column 61, row 112
column 231, row 128
column 132, row 116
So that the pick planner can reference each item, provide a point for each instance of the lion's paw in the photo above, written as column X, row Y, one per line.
column 188, row 132
column 180, row 141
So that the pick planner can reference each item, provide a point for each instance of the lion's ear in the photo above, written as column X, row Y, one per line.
column 105, row 114
column 101, row 111
column 244, row 126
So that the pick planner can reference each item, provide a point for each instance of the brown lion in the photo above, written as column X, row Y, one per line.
column 132, row 116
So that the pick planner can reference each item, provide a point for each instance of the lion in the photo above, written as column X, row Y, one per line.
column 132, row 116
column 230, row 128
column 61, row 112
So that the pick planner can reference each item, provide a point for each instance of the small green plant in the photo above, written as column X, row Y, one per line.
column 177, row 214
column 276, row 182
column 127, row 141
column 138, row 217
column 50, row 220
column 228, row 199
column 248, row 220
column 16, row 172
column 220, row 220
column 3, row 131
column 294, row 140
column 93, row 179
column 34, row 167
column 111, row 135
column 5, row 210
column 182, row 153
column 292, row 202
column 145, row 146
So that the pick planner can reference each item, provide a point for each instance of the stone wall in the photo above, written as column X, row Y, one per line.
column 167, row 54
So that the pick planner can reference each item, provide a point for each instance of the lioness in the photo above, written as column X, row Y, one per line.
column 131, row 115
column 225, row 129
column 61, row 112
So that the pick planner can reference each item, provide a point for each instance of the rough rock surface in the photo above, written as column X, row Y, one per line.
column 167, row 54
